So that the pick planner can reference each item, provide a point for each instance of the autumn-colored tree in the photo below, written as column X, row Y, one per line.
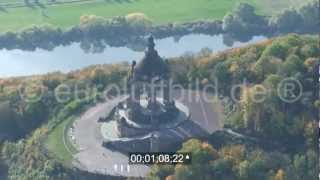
column 267, row 65
column 280, row 175
column 235, row 154
column 252, row 106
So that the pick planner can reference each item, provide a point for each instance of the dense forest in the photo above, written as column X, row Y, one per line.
column 25, row 122
column 279, row 138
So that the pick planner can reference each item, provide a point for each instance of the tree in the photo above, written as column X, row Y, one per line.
column 310, row 16
column 203, row 154
column 222, row 75
column 292, row 65
column 311, row 133
column 306, row 166
column 184, row 173
column 8, row 125
column 254, row 107
column 32, row 116
column 317, row 104
column 244, row 170
column 51, row 83
column 246, row 12
column 313, row 164
column 276, row 49
column 272, row 81
column 285, row 22
column 98, row 77
column 231, row 24
column 3, row 170
column 26, row 160
column 310, row 50
column 160, row 172
column 90, row 20
column 138, row 20
column 267, row 65
column 280, row 175
column 243, row 20
column 235, row 154
column 221, row 169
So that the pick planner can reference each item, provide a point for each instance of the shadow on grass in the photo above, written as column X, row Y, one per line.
column 30, row 5
column 44, row 14
column 121, row 1
column 42, row 6
column 2, row 9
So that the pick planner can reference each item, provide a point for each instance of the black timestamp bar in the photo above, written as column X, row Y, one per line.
column 160, row 158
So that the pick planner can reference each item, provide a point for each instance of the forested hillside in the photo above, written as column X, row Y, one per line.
column 278, row 132
column 282, row 135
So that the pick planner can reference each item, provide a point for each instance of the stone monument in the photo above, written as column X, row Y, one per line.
column 149, row 119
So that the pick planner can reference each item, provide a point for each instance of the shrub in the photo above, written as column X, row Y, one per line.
column 138, row 19
column 90, row 19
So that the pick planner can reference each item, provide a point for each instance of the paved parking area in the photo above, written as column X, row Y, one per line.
column 95, row 158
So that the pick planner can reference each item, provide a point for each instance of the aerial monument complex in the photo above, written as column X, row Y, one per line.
column 149, row 119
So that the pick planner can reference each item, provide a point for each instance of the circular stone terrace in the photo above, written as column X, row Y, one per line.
column 109, row 129
column 90, row 134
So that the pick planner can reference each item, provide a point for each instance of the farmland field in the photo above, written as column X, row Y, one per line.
column 15, row 14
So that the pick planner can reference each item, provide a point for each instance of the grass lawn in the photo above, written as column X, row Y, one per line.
column 59, row 144
column 160, row 11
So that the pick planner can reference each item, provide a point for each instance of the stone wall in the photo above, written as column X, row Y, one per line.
column 143, row 145
column 125, row 130
column 134, row 145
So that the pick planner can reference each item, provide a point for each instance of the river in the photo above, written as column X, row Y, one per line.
column 73, row 57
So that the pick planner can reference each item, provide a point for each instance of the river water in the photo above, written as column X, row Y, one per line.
column 73, row 57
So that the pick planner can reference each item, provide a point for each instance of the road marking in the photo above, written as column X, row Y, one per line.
column 123, row 168
column 204, row 112
column 64, row 138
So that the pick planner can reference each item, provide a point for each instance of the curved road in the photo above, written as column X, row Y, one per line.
column 93, row 157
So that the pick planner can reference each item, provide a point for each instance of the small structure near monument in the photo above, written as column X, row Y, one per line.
column 149, row 119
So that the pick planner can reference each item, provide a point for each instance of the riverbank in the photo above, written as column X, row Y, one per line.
column 97, row 32
column 16, row 15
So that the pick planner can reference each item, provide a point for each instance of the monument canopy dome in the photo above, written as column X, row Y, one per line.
column 151, row 65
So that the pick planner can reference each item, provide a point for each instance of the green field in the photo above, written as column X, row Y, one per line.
column 59, row 144
column 160, row 11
